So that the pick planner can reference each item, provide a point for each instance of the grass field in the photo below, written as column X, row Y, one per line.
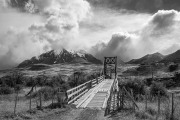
column 71, row 113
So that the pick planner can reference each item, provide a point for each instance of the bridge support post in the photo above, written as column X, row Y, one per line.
column 118, row 96
column 96, row 80
column 122, row 99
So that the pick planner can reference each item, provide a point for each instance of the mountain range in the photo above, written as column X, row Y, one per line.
column 157, row 57
column 63, row 56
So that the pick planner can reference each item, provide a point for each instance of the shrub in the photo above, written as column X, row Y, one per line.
column 6, row 90
column 81, row 78
column 11, row 80
column 47, row 93
column 157, row 87
column 173, row 67
column 30, row 82
column 136, row 85
column 177, row 78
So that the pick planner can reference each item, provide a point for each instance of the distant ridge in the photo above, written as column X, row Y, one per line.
column 150, row 58
column 63, row 56
column 174, row 57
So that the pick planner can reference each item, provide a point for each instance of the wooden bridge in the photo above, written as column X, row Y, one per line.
column 100, row 93
column 97, row 93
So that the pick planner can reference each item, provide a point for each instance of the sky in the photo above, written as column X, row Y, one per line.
column 128, row 29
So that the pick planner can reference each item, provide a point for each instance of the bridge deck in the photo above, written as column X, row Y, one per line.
column 97, row 96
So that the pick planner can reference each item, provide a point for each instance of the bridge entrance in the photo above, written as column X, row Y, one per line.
column 110, row 67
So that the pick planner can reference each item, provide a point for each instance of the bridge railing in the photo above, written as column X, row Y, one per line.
column 76, row 92
column 110, row 97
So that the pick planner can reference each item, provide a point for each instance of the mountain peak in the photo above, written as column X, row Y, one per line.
column 61, row 56
column 149, row 58
column 178, row 51
column 174, row 57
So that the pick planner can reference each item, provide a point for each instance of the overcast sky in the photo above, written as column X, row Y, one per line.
column 125, row 28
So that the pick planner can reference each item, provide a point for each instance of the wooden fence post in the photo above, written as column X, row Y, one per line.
column 172, row 109
column 145, row 100
column 40, row 99
column 30, row 102
column 159, row 103
column 122, row 99
column 97, row 80
column 16, row 99
column 132, row 101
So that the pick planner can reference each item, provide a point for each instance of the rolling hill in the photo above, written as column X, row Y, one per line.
column 150, row 58
column 174, row 57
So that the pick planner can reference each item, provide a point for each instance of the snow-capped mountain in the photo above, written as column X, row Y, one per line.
column 64, row 56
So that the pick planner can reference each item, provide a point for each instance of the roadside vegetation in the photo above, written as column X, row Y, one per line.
column 148, row 92
column 23, row 93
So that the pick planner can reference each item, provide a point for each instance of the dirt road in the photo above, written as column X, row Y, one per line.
column 77, row 114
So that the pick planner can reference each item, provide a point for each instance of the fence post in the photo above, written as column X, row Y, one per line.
column 122, row 99
column 132, row 101
column 117, row 100
column 145, row 100
column 30, row 102
column 158, row 105
column 172, row 109
column 97, row 80
column 40, row 98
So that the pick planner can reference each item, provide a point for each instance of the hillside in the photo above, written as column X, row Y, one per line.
column 150, row 58
column 64, row 56
column 174, row 57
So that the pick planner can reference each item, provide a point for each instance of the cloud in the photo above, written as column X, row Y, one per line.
column 15, row 46
column 24, row 35
column 151, row 6
column 159, row 34
column 62, row 22
column 121, row 43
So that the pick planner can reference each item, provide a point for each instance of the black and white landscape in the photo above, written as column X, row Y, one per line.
column 50, row 44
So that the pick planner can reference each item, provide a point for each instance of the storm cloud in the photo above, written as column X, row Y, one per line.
column 24, row 35
column 159, row 34
column 151, row 6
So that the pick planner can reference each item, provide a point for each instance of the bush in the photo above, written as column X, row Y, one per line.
column 11, row 80
column 81, row 78
column 6, row 90
column 136, row 85
column 30, row 82
column 157, row 87
column 47, row 93
column 173, row 67
column 177, row 78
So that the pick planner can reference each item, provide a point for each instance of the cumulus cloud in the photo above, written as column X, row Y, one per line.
column 159, row 34
column 15, row 47
column 62, row 22
column 24, row 35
